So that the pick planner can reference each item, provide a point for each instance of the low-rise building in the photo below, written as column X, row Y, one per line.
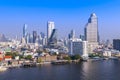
column 1, row 56
column 48, row 58
column 8, row 58
column 107, row 53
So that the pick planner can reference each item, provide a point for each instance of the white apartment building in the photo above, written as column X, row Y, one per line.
column 77, row 46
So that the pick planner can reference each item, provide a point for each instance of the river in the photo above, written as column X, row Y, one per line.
column 92, row 70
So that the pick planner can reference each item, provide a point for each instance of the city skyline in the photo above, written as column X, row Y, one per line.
column 36, row 13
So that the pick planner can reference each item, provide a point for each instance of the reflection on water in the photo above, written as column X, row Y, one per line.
column 94, row 70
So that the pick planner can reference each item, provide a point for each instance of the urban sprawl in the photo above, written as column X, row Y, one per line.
column 35, row 48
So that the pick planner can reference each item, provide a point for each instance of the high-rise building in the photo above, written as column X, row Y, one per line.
column 72, row 34
column 3, row 38
column 31, row 38
column 44, row 41
column 34, row 36
column 91, row 29
column 42, row 35
column 91, row 32
column 50, row 27
column 53, row 39
column 116, row 44
column 28, row 38
column 82, row 37
column 24, row 30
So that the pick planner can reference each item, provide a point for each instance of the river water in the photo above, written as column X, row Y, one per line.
column 92, row 70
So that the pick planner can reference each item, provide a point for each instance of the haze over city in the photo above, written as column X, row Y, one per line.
column 67, row 15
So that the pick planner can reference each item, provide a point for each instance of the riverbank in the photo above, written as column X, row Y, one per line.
column 96, row 70
column 28, row 64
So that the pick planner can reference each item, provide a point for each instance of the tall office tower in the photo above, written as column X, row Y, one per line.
column 66, row 42
column 38, row 40
column 3, row 38
column 72, row 34
column 42, row 35
column 34, row 36
column 53, row 39
column 28, row 38
column 82, row 37
column 31, row 38
column 44, row 41
column 91, row 32
column 50, row 27
column 91, row 29
column 24, row 30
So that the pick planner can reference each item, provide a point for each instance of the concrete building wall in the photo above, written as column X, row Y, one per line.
column 48, row 58
column 78, row 47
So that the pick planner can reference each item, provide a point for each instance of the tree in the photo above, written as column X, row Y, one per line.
column 21, row 56
column 13, row 54
column 75, row 57
column 39, row 60
column 95, row 55
column 67, row 58
column 8, row 54
column 28, row 57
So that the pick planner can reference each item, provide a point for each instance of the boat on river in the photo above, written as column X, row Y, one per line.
column 2, row 68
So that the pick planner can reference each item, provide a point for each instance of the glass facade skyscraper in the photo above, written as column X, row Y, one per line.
column 72, row 34
column 24, row 30
column 50, row 27
column 34, row 36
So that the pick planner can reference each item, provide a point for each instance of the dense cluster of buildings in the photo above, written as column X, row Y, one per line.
column 40, row 45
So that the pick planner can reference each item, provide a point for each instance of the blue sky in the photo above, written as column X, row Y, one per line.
column 67, row 15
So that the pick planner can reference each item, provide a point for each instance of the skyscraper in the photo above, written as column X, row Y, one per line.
column 34, row 36
column 82, row 37
column 3, row 38
column 24, row 30
column 28, row 38
column 42, row 35
column 53, row 39
column 91, row 29
column 50, row 27
column 91, row 32
column 72, row 34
